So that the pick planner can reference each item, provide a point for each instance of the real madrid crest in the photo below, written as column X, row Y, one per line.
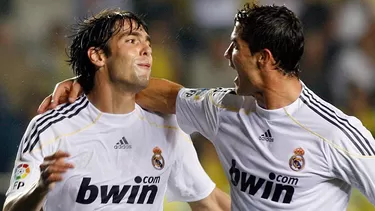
column 297, row 161
column 157, row 159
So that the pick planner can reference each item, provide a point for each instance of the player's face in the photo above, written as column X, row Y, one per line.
column 241, row 59
column 130, row 59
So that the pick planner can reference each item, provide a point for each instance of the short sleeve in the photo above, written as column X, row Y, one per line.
column 188, row 181
column 353, row 158
column 197, row 110
column 30, row 155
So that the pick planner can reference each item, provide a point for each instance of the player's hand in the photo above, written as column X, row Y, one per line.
column 65, row 91
column 52, row 169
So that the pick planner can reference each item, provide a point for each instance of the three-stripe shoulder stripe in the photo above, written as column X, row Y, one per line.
column 66, row 111
column 356, row 137
column 41, row 121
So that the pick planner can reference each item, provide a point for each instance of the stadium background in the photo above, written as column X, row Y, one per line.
column 189, row 38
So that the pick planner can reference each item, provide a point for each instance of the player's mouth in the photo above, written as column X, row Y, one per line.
column 236, row 81
column 144, row 65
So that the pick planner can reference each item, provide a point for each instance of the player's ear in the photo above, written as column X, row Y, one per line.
column 265, row 59
column 96, row 56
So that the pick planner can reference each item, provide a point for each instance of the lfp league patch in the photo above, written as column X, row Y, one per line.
column 21, row 172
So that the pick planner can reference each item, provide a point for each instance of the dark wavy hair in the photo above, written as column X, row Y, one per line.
column 95, row 32
column 275, row 28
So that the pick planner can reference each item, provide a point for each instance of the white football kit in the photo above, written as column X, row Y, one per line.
column 121, row 162
column 305, row 156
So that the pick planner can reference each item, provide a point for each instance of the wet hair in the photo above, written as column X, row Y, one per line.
column 275, row 28
column 96, row 32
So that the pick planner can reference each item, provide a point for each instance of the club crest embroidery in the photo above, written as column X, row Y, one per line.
column 297, row 161
column 157, row 159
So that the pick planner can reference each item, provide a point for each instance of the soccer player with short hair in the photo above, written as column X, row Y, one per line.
column 104, row 152
column 282, row 146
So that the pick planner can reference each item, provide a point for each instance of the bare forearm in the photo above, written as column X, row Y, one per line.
column 223, row 200
column 159, row 96
column 30, row 201
column 216, row 201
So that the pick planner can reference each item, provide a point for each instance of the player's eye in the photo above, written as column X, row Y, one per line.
column 130, row 41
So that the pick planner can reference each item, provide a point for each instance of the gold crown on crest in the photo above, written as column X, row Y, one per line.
column 299, row 151
column 157, row 150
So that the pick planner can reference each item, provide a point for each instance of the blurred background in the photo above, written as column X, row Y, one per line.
column 189, row 38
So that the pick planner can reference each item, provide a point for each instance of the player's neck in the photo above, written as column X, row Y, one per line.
column 111, row 99
column 280, row 93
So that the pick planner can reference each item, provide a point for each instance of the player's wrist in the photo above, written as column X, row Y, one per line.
column 41, row 188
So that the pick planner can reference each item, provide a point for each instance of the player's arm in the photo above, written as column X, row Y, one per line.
column 33, row 175
column 217, row 200
column 196, row 109
column 31, row 200
column 159, row 96
column 353, row 158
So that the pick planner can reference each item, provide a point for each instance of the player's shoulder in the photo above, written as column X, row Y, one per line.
column 220, row 97
column 157, row 119
column 167, row 125
column 352, row 137
column 65, row 117
column 197, row 94
column 343, row 132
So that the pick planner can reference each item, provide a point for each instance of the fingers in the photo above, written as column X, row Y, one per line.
column 58, row 167
column 65, row 91
column 52, row 178
column 60, row 93
column 75, row 91
column 44, row 105
column 57, row 155
column 53, row 167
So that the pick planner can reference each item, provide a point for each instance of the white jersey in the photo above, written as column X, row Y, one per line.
column 305, row 156
column 121, row 162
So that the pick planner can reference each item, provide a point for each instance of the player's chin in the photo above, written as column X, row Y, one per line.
column 143, row 82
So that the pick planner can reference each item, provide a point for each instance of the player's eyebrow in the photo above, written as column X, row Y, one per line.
column 137, row 34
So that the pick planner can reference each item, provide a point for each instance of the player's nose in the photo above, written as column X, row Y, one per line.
column 228, row 52
column 146, row 50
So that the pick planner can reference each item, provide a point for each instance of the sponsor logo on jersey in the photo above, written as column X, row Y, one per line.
column 266, row 136
column 199, row 94
column 20, row 173
column 272, row 188
column 196, row 93
column 157, row 159
column 223, row 90
column 144, row 191
column 122, row 144
column 297, row 161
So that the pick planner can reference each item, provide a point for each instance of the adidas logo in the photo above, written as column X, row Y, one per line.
column 266, row 136
column 123, row 144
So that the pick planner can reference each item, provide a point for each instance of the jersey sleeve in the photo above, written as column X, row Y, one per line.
column 188, row 181
column 353, row 158
column 30, row 155
column 197, row 110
